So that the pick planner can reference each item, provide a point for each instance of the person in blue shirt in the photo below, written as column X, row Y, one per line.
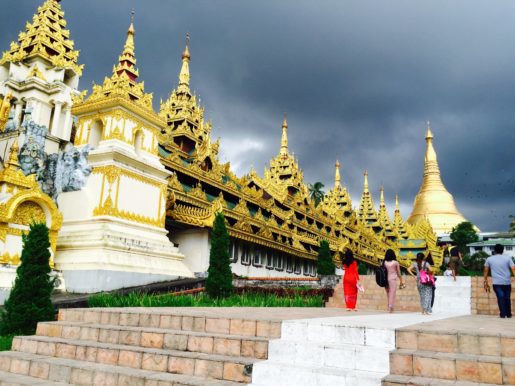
column 501, row 267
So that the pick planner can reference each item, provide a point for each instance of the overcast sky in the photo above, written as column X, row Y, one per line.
column 358, row 79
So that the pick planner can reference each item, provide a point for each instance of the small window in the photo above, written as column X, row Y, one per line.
column 509, row 247
column 297, row 267
column 233, row 251
column 257, row 257
column 279, row 263
column 289, row 264
column 246, row 253
column 269, row 259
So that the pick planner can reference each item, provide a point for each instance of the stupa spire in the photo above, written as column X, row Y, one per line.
column 45, row 37
column 383, row 218
column 337, row 180
column 127, row 60
column 284, row 137
column 433, row 201
column 184, row 75
column 367, row 211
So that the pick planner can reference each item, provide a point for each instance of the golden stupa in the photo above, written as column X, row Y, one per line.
column 433, row 201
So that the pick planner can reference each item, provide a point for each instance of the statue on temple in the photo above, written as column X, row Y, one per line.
column 72, row 169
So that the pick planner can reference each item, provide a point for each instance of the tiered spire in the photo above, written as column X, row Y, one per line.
column 184, row 116
column 367, row 212
column 127, row 60
column 433, row 201
column 284, row 170
column 47, row 38
column 384, row 219
column 184, row 75
column 337, row 199
column 284, row 137
column 337, row 175
column 123, row 83
column 398, row 222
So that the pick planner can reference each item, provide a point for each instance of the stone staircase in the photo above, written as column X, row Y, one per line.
column 138, row 347
column 426, row 356
column 334, row 351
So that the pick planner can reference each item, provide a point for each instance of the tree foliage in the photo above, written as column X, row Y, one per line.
column 325, row 265
column 29, row 301
column 476, row 262
column 512, row 223
column 463, row 234
column 316, row 193
column 219, row 279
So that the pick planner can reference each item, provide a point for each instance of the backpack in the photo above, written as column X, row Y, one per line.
column 381, row 276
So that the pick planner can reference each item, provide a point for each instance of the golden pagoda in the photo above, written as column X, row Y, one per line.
column 398, row 222
column 433, row 202
column 47, row 38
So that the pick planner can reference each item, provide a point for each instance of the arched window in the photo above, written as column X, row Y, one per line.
column 95, row 133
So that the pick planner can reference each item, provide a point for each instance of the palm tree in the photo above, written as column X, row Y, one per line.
column 316, row 193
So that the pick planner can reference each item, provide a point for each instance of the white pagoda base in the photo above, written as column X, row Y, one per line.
column 106, row 253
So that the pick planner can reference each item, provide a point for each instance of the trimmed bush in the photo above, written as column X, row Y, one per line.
column 29, row 301
column 325, row 265
column 219, row 279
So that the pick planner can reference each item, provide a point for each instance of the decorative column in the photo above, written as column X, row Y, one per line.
column 17, row 111
column 67, row 126
column 54, row 130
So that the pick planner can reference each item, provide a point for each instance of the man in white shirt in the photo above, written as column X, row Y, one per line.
column 501, row 266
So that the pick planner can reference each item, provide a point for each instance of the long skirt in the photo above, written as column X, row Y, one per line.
column 350, row 292
column 391, row 290
column 426, row 293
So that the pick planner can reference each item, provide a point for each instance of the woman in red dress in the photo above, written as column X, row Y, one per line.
column 350, row 280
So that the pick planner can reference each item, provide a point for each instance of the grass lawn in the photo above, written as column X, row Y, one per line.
column 202, row 300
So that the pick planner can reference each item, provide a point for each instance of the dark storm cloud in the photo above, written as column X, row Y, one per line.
column 357, row 79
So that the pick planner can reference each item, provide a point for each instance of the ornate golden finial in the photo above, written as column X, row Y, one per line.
column 186, row 52
column 429, row 134
column 381, row 199
column 184, row 75
column 13, row 156
column 337, row 175
column 396, row 202
column 284, row 137
column 365, row 184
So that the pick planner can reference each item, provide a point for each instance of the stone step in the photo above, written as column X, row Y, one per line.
column 453, row 366
column 347, row 357
column 171, row 319
column 181, row 340
column 311, row 331
column 403, row 380
column 285, row 374
column 230, row 368
column 476, row 343
column 11, row 379
column 81, row 373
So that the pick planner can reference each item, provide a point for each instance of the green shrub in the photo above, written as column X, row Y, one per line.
column 29, row 301
column 6, row 342
column 362, row 268
column 219, row 279
column 325, row 263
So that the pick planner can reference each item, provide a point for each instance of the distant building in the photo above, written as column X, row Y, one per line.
column 487, row 245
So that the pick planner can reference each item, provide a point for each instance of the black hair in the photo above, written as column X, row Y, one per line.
column 429, row 259
column 455, row 251
column 420, row 256
column 389, row 255
column 349, row 258
column 498, row 249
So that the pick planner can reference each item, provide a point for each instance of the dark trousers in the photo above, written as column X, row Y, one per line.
column 503, row 293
